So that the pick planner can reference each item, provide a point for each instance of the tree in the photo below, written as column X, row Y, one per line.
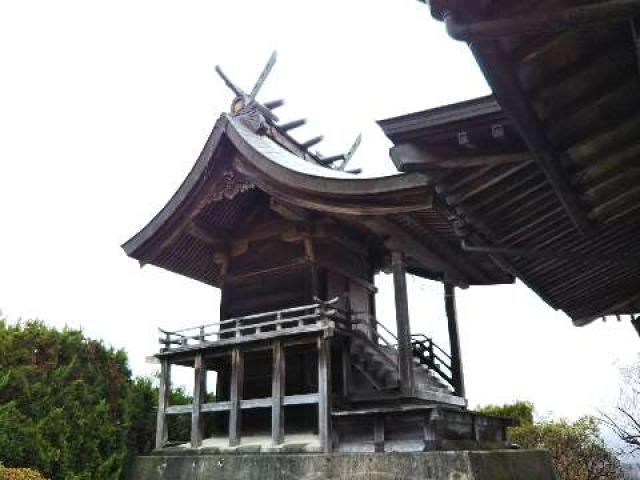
column 68, row 405
column 624, row 420
column 576, row 448
column 520, row 411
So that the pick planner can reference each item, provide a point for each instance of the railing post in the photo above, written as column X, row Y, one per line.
column 277, row 393
column 167, row 341
column 405, row 363
column 164, row 391
column 237, row 380
column 199, row 392
column 430, row 352
column 457, row 375
column 324, row 394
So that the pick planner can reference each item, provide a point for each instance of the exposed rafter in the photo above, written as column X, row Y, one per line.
column 511, row 97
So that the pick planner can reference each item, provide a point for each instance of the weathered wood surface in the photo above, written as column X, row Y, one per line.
column 457, row 375
column 237, row 381
column 405, row 363
column 199, row 393
column 278, row 384
column 324, row 394
column 164, row 393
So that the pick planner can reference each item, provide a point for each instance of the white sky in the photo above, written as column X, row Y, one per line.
column 104, row 107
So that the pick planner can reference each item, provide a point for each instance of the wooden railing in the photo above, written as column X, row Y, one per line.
column 433, row 357
column 428, row 353
column 273, row 322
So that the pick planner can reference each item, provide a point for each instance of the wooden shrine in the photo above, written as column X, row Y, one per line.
column 293, row 240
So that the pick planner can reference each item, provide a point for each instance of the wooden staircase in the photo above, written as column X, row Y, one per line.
column 377, row 363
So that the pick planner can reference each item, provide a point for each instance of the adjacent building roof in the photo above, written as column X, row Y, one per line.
column 545, row 174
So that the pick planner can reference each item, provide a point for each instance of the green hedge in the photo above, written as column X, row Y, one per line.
column 68, row 405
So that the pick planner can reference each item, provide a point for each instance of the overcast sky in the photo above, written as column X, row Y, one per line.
column 104, row 107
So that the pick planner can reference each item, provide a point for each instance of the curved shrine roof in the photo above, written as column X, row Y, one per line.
column 239, row 167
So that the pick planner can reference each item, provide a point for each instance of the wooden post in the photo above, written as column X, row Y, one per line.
column 164, row 391
column 378, row 433
column 454, row 340
column 313, row 270
column 405, row 364
column 346, row 368
column 277, row 392
column 237, row 380
column 324, row 394
column 199, row 392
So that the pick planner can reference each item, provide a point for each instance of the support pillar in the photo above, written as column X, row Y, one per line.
column 324, row 394
column 405, row 364
column 164, row 392
column 237, row 380
column 454, row 340
column 199, row 392
column 277, row 392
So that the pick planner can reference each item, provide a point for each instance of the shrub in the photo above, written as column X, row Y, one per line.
column 68, row 405
column 19, row 474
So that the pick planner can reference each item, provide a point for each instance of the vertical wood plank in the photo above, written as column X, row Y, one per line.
column 454, row 340
column 164, row 391
column 430, row 432
column 405, row 364
column 324, row 394
column 199, row 392
column 378, row 433
column 313, row 269
column 237, row 380
column 277, row 392
column 346, row 368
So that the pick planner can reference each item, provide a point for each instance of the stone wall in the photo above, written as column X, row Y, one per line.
column 447, row 465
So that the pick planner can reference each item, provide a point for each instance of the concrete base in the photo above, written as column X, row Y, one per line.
column 444, row 465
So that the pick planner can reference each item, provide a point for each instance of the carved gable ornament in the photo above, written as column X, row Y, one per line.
column 231, row 185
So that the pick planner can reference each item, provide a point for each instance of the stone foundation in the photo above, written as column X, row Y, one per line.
column 442, row 465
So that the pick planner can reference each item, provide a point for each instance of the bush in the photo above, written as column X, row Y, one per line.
column 520, row 411
column 19, row 474
column 577, row 450
column 68, row 405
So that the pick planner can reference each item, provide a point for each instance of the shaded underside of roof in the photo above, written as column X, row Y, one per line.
column 560, row 204
column 241, row 173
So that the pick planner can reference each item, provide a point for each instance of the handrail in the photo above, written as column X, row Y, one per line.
column 319, row 303
column 238, row 327
column 430, row 340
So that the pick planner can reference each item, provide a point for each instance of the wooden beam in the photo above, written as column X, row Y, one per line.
column 199, row 392
column 507, row 89
column 550, row 21
column 405, row 363
column 324, row 394
column 635, row 33
column 289, row 211
column 414, row 157
column 402, row 241
column 237, row 380
column 164, row 392
column 454, row 340
column 277, row 392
